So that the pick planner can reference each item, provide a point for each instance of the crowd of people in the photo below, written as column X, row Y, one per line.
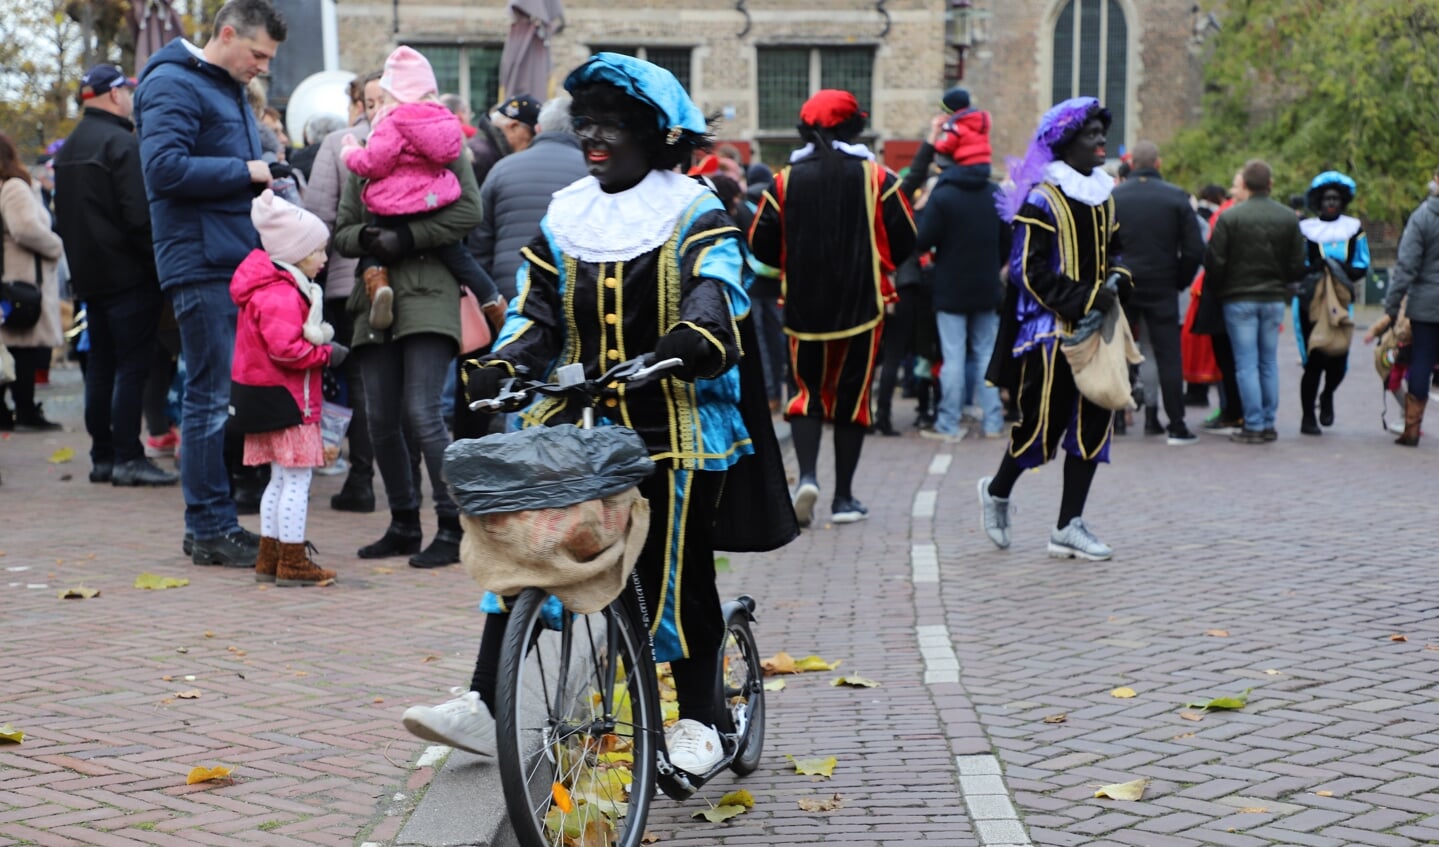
column 406, row 258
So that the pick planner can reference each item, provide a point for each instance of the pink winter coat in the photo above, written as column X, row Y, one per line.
column 270, row 345
column 405, row 158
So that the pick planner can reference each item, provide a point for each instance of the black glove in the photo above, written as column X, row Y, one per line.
column 338, row 354
column 688, row 345
column 1104, row 300
column 484, row 383
column 281, row 170
column 387, row 244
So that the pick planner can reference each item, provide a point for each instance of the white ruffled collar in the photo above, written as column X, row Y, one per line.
column 1090, row 190
column 859, row 151
column 595, row 226
column 1341, row 228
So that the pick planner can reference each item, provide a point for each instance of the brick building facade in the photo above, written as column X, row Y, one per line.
column 755, row 64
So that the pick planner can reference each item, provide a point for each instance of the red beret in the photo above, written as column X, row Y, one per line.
column 829, row 108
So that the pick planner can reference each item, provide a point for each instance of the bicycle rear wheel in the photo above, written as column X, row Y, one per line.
column 743, row 680
column 577, row 723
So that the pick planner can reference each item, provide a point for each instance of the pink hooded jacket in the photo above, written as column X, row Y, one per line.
column 405, row 157
column 270, row 344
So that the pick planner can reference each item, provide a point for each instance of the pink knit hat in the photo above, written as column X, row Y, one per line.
column 408, row 76
column 287, row 232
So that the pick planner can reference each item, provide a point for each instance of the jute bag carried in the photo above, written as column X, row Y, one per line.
column 1329, row 310
column 1100, row 361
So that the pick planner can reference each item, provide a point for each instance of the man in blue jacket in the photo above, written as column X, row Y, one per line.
column 201, row 153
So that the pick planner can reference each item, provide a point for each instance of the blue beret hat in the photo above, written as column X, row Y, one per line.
column 650, row 84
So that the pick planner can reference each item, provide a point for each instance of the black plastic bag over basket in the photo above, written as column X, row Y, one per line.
column 544, row 467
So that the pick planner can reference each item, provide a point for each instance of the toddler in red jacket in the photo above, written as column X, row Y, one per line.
column 281, row 346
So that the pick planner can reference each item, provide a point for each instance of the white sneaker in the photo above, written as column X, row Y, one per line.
column 804, row 498
column 694, row 747
column 945, row 437
column 1075, row 541
column 463, row 723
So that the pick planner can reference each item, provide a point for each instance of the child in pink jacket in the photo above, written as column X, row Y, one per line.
column 281, row 345
column 405, row 161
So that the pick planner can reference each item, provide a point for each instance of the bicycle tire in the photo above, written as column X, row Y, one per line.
column 561, row 740
column 743, row 681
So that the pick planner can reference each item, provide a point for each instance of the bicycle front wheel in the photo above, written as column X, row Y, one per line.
column 577, row 723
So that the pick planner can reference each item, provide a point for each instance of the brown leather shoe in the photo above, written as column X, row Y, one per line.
column 382, row 297
column 296, row 568
column 268, row 559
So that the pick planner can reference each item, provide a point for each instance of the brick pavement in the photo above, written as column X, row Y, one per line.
column 1274, row 545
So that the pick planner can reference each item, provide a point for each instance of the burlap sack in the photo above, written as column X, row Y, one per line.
column 583, row 554
column 1101, row 363
column 1329, row 310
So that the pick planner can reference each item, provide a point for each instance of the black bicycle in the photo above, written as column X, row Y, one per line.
column 579, row 717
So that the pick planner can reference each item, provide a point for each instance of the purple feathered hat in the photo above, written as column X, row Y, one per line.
column 1057, row 128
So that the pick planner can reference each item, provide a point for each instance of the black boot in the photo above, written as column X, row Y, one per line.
column 1309, row 426
column 402, row 538
column 444, row 548
column 34, row 421
column 355, row 496
column 1326, row 408
column 1152, row 426
column 882, row 426
column 247, row 488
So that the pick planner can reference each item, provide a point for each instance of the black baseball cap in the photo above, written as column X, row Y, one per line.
column 101, row 79
column 523, row 108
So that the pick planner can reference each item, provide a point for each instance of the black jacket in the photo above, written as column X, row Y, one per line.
column 1162, row 244
column 971, row 242
column 100, row 207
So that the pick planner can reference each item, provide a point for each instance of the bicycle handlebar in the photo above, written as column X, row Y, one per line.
column 570, row 381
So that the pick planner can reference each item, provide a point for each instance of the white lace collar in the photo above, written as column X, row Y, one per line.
column 594, row 226
column 859, row 151
column 1090, row 190
column 1341, row 228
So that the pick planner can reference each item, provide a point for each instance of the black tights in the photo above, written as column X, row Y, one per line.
column 848, row 443
column 1320, row 365
column 1078, row 476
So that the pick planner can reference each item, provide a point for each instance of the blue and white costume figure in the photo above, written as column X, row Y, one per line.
column 1335, row 236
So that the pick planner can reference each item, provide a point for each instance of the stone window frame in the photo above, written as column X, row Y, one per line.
column 487, row 50
column 1126, row 110
column 769, row 140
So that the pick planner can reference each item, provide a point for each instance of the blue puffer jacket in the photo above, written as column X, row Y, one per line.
column 196, row 135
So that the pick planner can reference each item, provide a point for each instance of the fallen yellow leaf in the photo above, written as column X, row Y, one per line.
column 562, row 798
column 1217, row 633
column 1060, row 718
column 719, row 814
column 815, row 663
column 61, row 456
column 1398, row 637
column 1324, row 793
column 78, row 592
column 157, row 582
column 774, row 685
column 780, row 662
column 742, row 797
column 1132, row 790
column 854, row 682
column 202, row 774
column 1123, row 693
column 428, row 659
column 1253, row 810
column 817, row 804
column 1192, row 716
column 11, row 735
column 814, row 767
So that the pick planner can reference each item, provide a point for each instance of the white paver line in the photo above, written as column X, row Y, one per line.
column 981, row 780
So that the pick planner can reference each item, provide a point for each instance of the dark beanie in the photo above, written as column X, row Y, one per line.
column 955, row 99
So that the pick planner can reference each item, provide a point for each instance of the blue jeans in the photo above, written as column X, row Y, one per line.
column 404, row 379
column 122, row 349
column 1254, row 335
column 206, row 316
column 966, row 337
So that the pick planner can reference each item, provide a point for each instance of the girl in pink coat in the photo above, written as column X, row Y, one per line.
column 281, row 345
column 405, row 161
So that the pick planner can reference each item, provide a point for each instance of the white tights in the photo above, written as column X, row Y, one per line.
column 287, row 498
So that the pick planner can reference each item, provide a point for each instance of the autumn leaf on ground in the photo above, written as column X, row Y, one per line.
column 780, row 662
column 1132, row 790
column 202, row 774
column 1238, row 702
column 1398, row 638
column 562, row 798
column 821, row 804
column 1217, row 633
column 815, row 663
column 61, row 456
column 1192, row 716
column 1061, row 718
column 192, row 694
column 649, row 838
column 428, row 659
column 814, row 767
column 79, row 592
column 774, row 685
column 719, row 814
column 157, row 582
column 742, row 797
column 11, row 735
column 722, row 564
column 1253, row 810
column 1324, row 794
column 1123, row 693
column 854, row 682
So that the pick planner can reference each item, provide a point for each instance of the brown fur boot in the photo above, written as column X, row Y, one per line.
column 268, row 559
column 1413, row 417
column 296, row 568
column 382, row 297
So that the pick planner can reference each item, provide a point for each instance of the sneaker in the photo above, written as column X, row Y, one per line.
column 463, row 723
column 161, row 446
column 1270, row 434
column 994, row 515
column 102, row 471
column 804, row 498
column 1247, row 436
column 235, row 549
column 847, row 510
column 943, row 437
column 971, row 413
column 140, row 472
column 1218, row 423
column 694, row 747
column 1077, row 542
column 1180, row 435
